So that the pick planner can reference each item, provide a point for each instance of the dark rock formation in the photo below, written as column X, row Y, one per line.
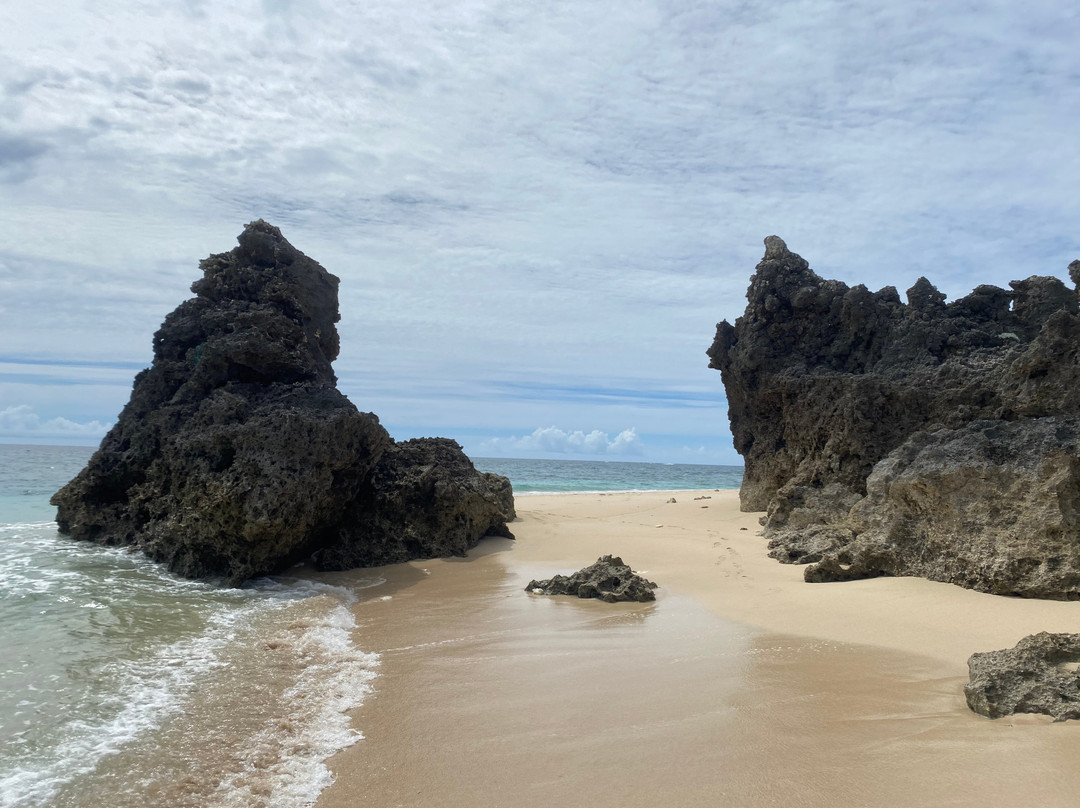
column 929, row 439
column 236, row 456
column 424, row 499
column 609, row 579
column 991, row 506
column 1038, row 675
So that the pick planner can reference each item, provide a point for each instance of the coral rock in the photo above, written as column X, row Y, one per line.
column 1038, row 675
column 932, row 439
column 609, row 580
column 236, row 455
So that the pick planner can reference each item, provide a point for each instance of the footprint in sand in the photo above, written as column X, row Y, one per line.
column 730, row 559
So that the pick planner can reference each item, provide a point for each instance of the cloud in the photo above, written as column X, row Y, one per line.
column 23, row 422
column 17, row 156
column 552, row 440
column 19, row 149
column 539, row 210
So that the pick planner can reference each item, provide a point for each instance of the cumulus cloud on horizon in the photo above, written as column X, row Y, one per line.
column 22, row 421
column 552, row 440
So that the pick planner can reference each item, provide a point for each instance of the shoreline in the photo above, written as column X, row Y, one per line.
column 738, row 581
column 605, row 492
column 732, row 576
column 735, row 680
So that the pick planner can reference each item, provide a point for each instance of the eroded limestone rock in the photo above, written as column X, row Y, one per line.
column 928, row 438
column 993, row 506
column 424, row 499
column 609, row 580
column 237, row 456
column 1038, row 675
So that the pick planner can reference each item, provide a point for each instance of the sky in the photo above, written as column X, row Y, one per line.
column 538, row 210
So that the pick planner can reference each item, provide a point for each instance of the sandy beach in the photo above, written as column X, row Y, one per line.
column 741, row 685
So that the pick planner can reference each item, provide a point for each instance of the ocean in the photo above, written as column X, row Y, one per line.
column 579, row 476
column 123, row 685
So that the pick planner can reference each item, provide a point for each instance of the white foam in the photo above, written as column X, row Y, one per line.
column 142, row 694
column 335, row 679
column 148, row 691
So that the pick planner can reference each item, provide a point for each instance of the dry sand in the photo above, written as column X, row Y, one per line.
column 741, row 686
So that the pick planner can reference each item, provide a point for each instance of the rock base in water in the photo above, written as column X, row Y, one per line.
column 609, row 580
column 1038, row 675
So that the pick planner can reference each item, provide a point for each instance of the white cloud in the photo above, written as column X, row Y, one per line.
column 536, row 188
column 552, row 440
column 23, row 422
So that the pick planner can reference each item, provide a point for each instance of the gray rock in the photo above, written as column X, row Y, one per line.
column 236, row 456
column 994, row 506
column 609, row 580
column 1038, row 675
column 925, row 439
column 423, row 500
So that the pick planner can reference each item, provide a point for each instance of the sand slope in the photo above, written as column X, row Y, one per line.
column 741, row 685
column 699, row 547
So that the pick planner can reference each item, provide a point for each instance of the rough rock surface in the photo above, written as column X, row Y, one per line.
column 1038, row 675
column 609, row 580
column 237, row 456
column 925, row 438
column 423, row 499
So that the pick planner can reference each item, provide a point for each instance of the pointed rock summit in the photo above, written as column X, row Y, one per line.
column 236, row 455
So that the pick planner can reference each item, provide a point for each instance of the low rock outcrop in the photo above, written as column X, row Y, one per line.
column 1038, row 675
column 929, row 439
column 236, row 455
column 609, row 580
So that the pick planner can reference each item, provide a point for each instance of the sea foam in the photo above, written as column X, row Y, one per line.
column 124, row 684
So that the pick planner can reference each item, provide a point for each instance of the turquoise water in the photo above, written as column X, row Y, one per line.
column 569, row 476
column 29, row 475
column 123, row 685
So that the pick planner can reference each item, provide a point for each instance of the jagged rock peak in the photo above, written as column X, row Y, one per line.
column 775, row 248
column 262, row 243
column 237, row 456
column 924, row 295
column 265, row 272
column 874, row 432
column 1074, row 273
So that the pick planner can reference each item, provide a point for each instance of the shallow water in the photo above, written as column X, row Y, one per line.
column 505, row 698
column 123, row 685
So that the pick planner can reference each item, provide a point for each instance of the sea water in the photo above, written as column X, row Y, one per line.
column 124, row 685
column 121, row 684
column 580, row 476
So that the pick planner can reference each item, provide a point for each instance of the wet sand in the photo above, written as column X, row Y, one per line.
column 741, row 685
